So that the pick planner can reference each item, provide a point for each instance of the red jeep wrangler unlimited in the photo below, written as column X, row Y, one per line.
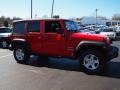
column 61, row 38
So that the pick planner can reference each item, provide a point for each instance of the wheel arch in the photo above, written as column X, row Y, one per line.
column 20, row 42
column 87, row 45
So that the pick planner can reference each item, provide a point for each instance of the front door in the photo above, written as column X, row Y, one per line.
column 53, row 42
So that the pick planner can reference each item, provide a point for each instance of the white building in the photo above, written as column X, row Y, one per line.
column 92, row 21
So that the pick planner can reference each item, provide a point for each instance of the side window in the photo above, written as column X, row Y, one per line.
column 34, row 26
column 52, row 26
column 19, row 27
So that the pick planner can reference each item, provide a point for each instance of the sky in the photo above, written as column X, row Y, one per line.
column 64, row 8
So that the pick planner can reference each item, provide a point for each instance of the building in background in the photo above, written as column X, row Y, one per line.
column 92, row 21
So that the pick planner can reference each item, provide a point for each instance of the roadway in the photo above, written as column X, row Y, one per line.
column 56, row 74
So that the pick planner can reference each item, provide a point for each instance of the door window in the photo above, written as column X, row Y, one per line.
column 52, row 26
column 34, row 26
column 19, row 27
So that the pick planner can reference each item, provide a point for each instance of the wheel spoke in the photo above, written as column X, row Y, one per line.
column 93, row 66
column 96, row 61
column 92, row 57
column 20, row 54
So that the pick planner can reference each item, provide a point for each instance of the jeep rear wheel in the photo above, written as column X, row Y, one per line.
column 21, row 55
column 91, row 61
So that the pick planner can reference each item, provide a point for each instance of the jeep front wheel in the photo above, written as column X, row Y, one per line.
column 21, row 55
column 92, row 61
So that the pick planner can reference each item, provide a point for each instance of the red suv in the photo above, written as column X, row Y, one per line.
column 61, row 38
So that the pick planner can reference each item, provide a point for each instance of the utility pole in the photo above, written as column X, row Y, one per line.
column 31, row 9
column 52, row 9
column 96, row 16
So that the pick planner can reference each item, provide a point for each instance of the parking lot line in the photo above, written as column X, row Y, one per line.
column 6, row 56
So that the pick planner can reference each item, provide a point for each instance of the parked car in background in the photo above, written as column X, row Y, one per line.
column 117, row 28
column 88, row 31
column 5, row 33
column 99, row 28
column 109, row 32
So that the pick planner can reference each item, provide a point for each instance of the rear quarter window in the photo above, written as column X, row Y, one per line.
column 19, row 28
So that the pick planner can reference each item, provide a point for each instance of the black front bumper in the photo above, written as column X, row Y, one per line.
column 112, row 52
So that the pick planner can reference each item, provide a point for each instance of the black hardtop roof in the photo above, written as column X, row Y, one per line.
column 26, row 20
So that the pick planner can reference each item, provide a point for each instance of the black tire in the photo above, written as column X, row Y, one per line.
column 90, row 65
column 21, row 55
column 4, row 44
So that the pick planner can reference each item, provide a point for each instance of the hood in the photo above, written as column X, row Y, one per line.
column 88, row 36
column 5, row 34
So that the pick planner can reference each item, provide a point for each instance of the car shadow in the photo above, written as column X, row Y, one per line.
column 112, row 69
column 118, row 38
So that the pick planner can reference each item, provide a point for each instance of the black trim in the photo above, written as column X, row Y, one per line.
column 86, row 43
column 112, row 52
column 21, row 42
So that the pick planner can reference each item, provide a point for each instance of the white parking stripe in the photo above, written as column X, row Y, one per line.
column 6, row 56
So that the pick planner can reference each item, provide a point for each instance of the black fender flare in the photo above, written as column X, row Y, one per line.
column 20, row 42
column 90, row 44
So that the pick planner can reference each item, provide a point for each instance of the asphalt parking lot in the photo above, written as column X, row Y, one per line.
column 56, row 74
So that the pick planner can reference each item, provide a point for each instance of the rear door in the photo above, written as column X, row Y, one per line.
column 34, row 35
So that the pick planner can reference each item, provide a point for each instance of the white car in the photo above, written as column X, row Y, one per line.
column 109, row 33
column 117, row 30
column 88, row 31
column 5, row 38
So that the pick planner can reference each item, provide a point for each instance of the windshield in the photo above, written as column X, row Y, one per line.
column 71, row 25
column 108, row 30
column 5, row 30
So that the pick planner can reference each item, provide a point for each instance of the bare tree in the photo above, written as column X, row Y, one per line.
column 116, row 17
column 103, row 17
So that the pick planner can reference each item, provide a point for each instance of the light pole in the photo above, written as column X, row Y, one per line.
column 31, row 9
column 52, row 9
column 96, row 16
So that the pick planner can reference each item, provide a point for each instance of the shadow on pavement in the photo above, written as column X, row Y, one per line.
column 118, row 38
column 112, row 70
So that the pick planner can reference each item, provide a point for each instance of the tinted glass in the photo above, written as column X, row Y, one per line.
column 19, row 27
column 5, row 30
column 108, row 23
column 34, row 26
column 108, row 30
column 52, row 26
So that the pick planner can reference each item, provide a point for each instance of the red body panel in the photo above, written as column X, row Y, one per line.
column 55, row 44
